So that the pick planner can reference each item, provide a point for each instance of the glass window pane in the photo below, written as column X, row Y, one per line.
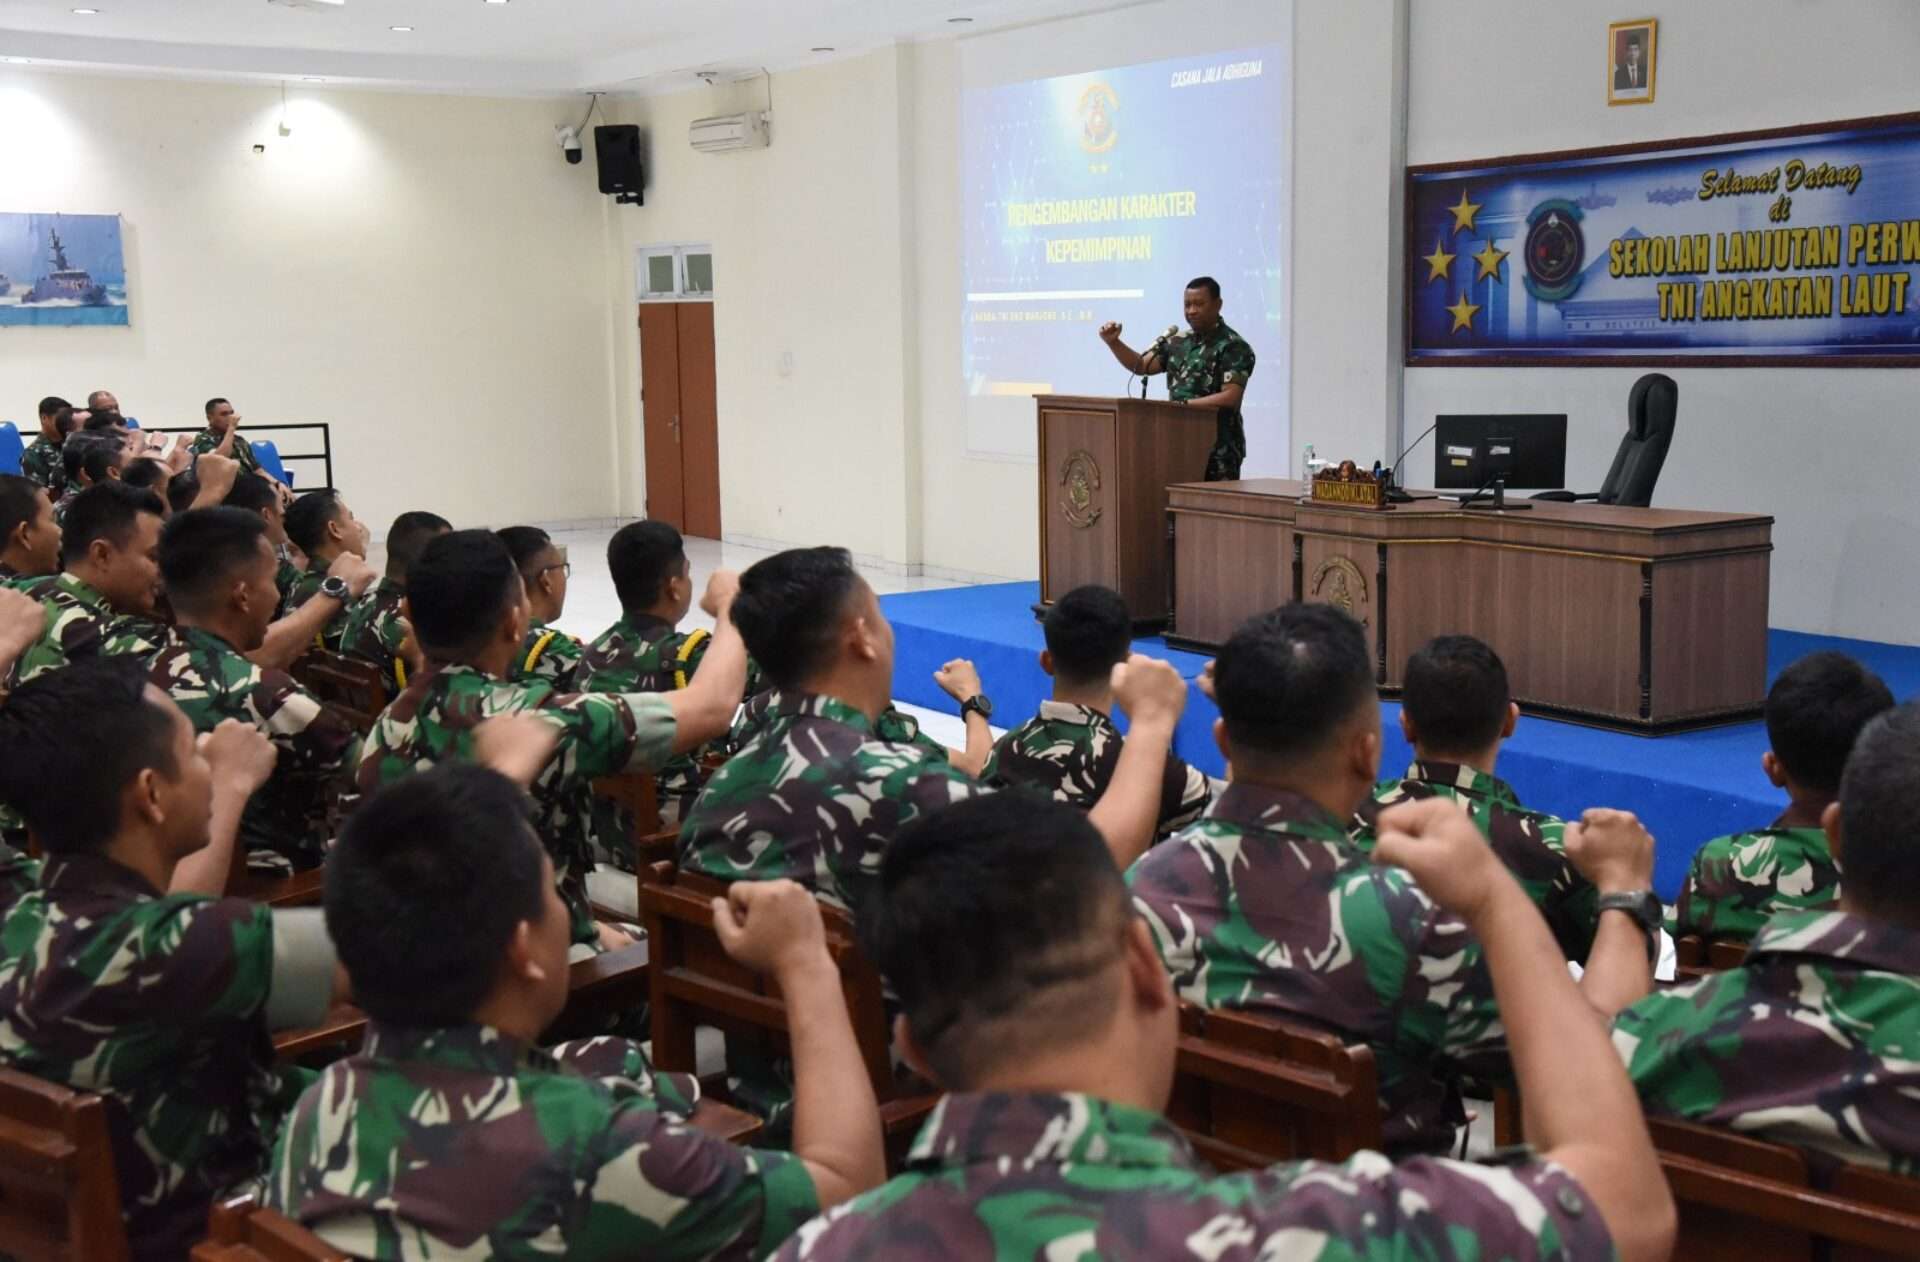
column 660, row 273
column 699, row 273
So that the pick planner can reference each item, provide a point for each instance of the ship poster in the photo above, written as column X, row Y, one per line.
column 61, row 270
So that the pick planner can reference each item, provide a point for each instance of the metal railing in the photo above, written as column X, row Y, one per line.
column 265, row 431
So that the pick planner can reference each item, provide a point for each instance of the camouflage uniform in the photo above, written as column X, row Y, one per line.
column 601, row 734
column 900, row 728
column 1070, row 752
column 1735, row 883
column 65, row 501
column 1058, row 1177
column 43, row 462
column 1532, row 845
column 19, row 874
column 814, row 796
column 293, row 814
column 1812, row 1041
column 549, row 654
column 285, row 575
column 305, row 588
column 158, row 1002
column 641, row 653
column 241, row 451
column 1266, row 905
column 375, row 629
column 894, row 725
column 461, row 1142
column 1197, row 367
column 78, row 620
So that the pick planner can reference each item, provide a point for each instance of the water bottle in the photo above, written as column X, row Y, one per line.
column 1306, row 464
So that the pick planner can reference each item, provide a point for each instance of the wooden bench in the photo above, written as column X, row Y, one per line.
column 1743, row 1199
column 59, row 1195
column 1250, row 1090
column 239, row 1230
column 1696, row 957
column 695, row 982
column 351, row 688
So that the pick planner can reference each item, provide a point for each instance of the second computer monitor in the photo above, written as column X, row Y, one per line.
column 1539, row 451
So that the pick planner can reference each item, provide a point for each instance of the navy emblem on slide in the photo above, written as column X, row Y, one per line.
column 1096, row 110
column 1556, row 249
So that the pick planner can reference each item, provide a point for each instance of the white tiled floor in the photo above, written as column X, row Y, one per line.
column 592, row 606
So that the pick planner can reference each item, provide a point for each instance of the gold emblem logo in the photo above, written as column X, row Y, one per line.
column 1340, row 583
column 1081, row 476
column 1097, row 107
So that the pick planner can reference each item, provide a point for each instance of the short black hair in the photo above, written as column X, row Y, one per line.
column 526, row 543
column 201, row 552
column 1456, row 692
column 458, row 587
column 1288, row 679
column 1089, row 632
column 789, row 608
column 1207, row 283
column 71, row 740
column 422, row 940
column 1879, row 855
column 642, row 556
column 63, row 421
column 51, row 405
column 213, row 403
column 19, row 503
column 1815, row 711
column 253, row 493
column 148, row 475
column 182, row 490
column 995, row 916
column 92, row 452
column 408, row 534
column 106, row 510
column 100, row 419
column 308, row 518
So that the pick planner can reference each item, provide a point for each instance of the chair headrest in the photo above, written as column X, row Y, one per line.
column 1652, row 405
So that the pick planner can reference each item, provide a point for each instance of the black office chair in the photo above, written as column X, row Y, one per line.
column 1643, row 451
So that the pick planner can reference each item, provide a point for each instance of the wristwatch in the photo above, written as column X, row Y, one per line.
column 336, row 587
column 977, row 704
column 1645, row 908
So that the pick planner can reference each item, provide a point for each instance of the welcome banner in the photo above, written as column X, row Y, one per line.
column 1796, row 246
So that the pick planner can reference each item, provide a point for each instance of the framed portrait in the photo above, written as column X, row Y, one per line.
column 1630, row 56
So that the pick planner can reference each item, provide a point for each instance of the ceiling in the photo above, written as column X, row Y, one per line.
column 520, row 47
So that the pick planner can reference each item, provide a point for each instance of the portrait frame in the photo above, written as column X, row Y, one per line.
column 1619, row 35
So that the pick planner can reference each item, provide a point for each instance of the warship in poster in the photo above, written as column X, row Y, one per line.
column 66, row 283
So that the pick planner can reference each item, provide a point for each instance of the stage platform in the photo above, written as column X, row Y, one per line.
column 1688, row 788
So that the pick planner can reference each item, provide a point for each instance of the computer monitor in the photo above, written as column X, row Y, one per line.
column 1466, row 457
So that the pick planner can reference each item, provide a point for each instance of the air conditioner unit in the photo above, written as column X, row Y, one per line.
column 727, row 132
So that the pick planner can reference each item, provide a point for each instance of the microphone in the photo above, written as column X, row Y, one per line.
column 1396, row 488
column 1157, row 347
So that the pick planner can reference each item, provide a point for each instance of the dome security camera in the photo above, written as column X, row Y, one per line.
column 569, row 142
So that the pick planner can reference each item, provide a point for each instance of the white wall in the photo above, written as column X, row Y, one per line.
column 1831, row 453
column 422, row 272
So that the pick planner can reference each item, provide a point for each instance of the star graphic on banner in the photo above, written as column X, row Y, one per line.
column 1438, row 262
column 1489, row 261
column 1463, row 213
column 1462, row 313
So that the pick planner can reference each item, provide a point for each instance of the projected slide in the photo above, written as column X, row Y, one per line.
column 1095, row 197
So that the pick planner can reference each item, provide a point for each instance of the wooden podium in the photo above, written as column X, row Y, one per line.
column 1105, row 465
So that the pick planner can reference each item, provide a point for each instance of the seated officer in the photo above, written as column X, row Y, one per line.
column 1266, row 904
column 1031, row 992
column 468, row 610
column 451, row 1133
column 110, row 548
column 1812, row 1041
column 29, row 536
column 1815, row 712
column 218, row 567
column 549, row 653
column 1456, row 710
column 1069, row 749
column 41, row 460
column 256, row 494
column 222, row 435
column 89, row 459
column 160, row 1002
column 376, row 628
column 816, row 794
column 20, row 622
column 321, row 525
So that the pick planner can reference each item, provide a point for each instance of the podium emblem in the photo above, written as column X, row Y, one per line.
column 1081, row 478
column 1339, row 582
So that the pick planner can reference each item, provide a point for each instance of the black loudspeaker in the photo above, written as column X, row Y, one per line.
column 618, row 150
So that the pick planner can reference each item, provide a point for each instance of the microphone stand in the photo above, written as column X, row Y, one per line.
column 1396, row 491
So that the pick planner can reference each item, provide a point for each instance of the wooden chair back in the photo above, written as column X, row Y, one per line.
column 354, row 689
column 1250, row 1090
column 637, row 794
column 695, row 982
column 302, row 889
column 1695, row 956
column 59, row 1195
column 240, row 1230
column 1746, row 1200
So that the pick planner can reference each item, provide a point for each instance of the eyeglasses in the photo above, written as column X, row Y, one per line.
column 562, row 565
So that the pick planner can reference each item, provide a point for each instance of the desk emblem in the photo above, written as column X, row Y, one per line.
column 1339, row 583
column 1081, row 478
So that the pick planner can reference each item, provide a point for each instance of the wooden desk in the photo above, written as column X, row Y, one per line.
column 1644, row 619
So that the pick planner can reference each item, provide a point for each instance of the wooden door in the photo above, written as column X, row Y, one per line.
column 699, row 429
column 660, row 412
